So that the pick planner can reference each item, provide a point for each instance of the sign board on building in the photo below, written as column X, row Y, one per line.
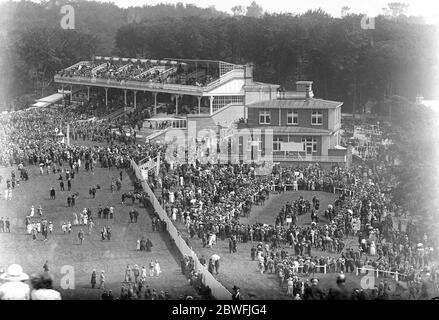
column 291, row 146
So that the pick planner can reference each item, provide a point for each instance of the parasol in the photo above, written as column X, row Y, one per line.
column 215, row 257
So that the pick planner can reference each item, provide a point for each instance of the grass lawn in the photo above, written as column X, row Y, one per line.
column 64, row 250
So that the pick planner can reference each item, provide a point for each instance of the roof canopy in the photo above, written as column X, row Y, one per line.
column 164, row 119
column 41, row 104
column 52, row 98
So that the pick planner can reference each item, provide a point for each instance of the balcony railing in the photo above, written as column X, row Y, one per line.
column 309, row 158
column 130, row 84
column 145, row 85
column 277, row 158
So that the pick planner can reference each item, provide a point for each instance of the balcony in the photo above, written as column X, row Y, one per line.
column 309, row 158
column 132, row 85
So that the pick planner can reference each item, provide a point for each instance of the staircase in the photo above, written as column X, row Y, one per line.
column 228, row 114
column 156, row 134
column 115, row 114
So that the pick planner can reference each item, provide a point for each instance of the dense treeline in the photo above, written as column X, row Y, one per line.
column 346, row 62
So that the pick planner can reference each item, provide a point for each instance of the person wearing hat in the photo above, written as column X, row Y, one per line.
column 340, row 292
column 313, row 292
column 236, row 294
column 43, row 288
column 93, row 278
column 102, row 280
column 14, row 287
column 81, row 236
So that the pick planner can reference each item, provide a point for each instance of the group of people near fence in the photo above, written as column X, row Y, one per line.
column 208, row 200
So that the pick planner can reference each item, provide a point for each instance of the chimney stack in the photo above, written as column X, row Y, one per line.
column 305, row 87
column 248, row 74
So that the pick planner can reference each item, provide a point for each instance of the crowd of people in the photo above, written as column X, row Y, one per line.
column 149, row 71
column 209, row 199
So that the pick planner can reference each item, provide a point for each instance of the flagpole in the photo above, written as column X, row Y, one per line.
column 158, row 165
column 68, row 134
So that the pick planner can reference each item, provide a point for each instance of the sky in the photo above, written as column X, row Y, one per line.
column 429, row 9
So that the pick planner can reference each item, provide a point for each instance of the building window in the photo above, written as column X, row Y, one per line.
column 309, row 145
column 221, row 101
column 276, row 144
column 264, row 117
column 292, row 118
column 317, row 118
column 256, row 142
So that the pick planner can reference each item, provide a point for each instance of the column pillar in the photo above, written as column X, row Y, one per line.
column 211, row 104
column 125, row 96
column 106, row 97
column 135, row 100
column 199, row 105
column 71, row 94
column 176, row 104
column 63, row 100
column 155, row 102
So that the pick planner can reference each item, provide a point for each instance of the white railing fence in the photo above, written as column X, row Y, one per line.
column 218, row 290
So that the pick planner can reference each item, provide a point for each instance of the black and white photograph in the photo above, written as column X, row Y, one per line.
column 239, row 152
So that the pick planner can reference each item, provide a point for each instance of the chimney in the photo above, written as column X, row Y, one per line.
column 305, row 87
column 248, row 74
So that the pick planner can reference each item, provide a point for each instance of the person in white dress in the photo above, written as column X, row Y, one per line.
column 157, row 269
column 171, row 197
column 29, row 228
column 90, row 226
column 13, row 286
column 290, row 287
column 138, row 245
column 32, row 211
column 75, row 219
column 174, row 214
column 85, row 219
column 372, row 248
column 69, row 226
column 143, row 274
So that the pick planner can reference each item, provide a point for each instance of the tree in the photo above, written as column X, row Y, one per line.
column 345, row 10
column 396, row 9
column 238, row 10
column 254, row 10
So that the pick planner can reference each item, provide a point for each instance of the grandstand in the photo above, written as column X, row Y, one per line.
column 209, row 95
column 217, row 83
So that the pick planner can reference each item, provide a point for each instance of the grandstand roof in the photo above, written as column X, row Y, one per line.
column 296, row 104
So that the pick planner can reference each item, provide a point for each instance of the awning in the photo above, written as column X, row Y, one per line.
column 52, row 98
column 41, row 104
column 164, row 119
